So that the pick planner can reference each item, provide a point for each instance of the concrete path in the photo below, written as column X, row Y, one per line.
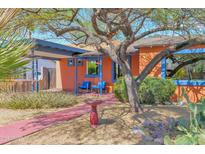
column 25, row 127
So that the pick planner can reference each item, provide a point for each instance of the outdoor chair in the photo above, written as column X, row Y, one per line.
column 103, row 84
column 86, row 85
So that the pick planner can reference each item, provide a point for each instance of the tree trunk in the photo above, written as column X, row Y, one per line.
column 132, row 91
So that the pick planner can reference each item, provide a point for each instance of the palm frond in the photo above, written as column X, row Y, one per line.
column 12, row 54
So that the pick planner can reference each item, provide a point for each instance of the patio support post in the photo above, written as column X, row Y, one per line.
column 76, row 76
column 100, row 74
column 163, row 68
column 32, row 71
column 37, row 84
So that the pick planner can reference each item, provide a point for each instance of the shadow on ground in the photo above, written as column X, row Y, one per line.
column 116, row 123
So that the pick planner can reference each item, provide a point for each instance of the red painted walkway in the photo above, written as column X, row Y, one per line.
column 25, row 127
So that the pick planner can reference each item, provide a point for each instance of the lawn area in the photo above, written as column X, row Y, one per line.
column 116, row 127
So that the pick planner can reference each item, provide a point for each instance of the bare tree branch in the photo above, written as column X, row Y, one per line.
column 190, row 61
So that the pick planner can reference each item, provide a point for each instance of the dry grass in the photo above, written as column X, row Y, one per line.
column 41, row 100
column 11, row 115
column 116, row 127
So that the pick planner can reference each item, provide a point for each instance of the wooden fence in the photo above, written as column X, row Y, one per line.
column 48, row 81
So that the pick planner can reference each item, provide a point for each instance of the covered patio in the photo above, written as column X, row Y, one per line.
column 92, row 56
column 51, row 51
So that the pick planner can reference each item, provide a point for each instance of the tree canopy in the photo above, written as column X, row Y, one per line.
column 102, row 27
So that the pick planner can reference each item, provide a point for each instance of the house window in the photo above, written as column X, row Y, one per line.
column 185, row 68
column 195, row 71
column 117, row 71
column 39, row 75
column 92, row 68
column 79, row 62
column 70, row 62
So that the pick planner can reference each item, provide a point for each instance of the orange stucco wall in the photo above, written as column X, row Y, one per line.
column 68, row 74
column 135, row 64
column 138, row 61
column 195, row 93
column 146, row 54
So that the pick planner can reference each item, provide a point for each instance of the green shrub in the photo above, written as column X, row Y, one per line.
column 154, row 90
column 180, row 74
column 37, row 100
column 120, row 89
column 151, row 90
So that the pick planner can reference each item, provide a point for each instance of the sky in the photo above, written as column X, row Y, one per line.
column 49, row 37
column 84, row 14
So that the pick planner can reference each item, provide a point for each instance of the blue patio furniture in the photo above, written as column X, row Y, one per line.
column 85, row 85
column 100, row 84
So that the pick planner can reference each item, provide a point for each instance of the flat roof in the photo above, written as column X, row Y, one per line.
column 47, row 49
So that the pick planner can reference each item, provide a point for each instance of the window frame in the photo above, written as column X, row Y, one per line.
column 92, row 75
column 113, row 66
column 81, row 62
column 184, row 82
column 73, row 62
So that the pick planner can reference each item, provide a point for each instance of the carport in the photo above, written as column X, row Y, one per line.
column 51, row 51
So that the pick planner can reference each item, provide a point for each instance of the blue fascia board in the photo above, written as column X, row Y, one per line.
column 88, row 57
column 57, row 46
column 190, row 82
column 53, row 51
column 191, row 51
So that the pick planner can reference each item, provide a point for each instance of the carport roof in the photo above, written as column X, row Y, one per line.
column 46, row 49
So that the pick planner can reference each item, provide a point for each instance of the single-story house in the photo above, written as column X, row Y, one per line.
column 90, row 65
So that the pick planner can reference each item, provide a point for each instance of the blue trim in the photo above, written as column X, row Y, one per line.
column 32, row 87
column 113, row 65
column 190, row 82
column 47, row 58
column 50, row 50
column 92, row 76
column 163, row 68
column 184, row 82
column 191, row 51
column 76, row 77
column 88, row 57
column 37, row 84
column 100, row 74
column 57, row 46
column 112, row 71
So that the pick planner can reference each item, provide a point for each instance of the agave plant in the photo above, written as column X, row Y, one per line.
column 12, row 47
column 12, row 54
